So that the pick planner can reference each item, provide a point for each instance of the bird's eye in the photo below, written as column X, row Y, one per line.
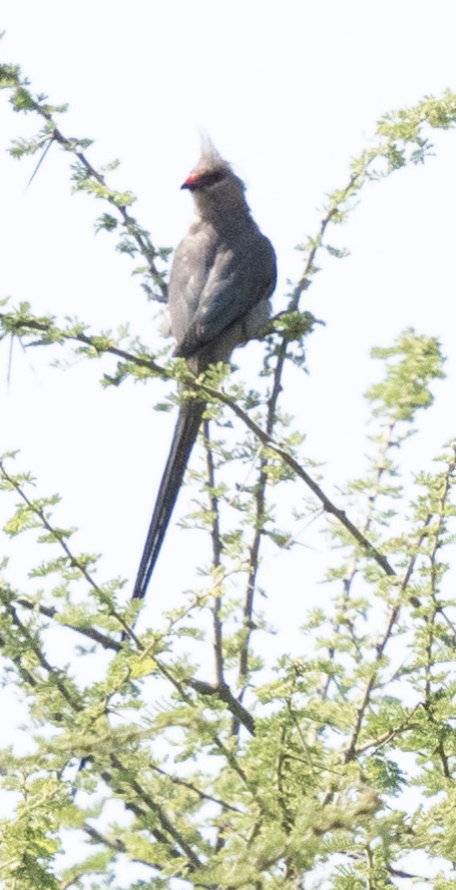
column 208, row 179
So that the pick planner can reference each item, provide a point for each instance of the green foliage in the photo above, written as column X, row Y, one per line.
column 405, row 387
column 318, row 771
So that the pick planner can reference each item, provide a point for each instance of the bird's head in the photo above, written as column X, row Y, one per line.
column 213, row 181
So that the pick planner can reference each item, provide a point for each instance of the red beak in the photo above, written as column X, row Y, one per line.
column 191, row 181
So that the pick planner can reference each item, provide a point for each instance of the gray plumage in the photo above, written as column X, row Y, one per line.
column 223, row 274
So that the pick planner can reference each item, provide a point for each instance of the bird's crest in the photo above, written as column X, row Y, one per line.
column 209, row 152
column 210, row 169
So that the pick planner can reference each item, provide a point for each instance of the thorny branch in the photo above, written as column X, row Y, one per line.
column 221, row 689
column 216, row 560
column 262, row 435
column 6, row 594
column 352, row 568
column 260, row 490
column 131, row 783
column 288, row 459
column 39, row 512
column 141, row 237
column 224, row 694
column 351, row 749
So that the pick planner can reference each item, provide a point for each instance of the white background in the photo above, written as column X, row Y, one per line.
column 289, row 92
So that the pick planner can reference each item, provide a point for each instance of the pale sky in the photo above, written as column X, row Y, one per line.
column 289, row 93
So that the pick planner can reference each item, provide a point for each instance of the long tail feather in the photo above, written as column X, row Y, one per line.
column 185, row 433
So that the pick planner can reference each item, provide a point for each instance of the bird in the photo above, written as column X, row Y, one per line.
column 222, row 277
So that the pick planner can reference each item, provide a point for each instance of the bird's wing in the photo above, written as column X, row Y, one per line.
column 237, row 281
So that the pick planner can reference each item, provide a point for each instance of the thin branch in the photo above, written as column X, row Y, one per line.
column 118, row 846
column 75, row 705
column 352, row 567
column 260, row 491
column 144, row 243
column 165, row 822
column 406, row 726
column 224, row 694
column 141, row 814
column 73, row 560
column 264, row 437
column 179, row 686
column 216, row 559
column 96, row 343
column 351, row 750
column 201, row 794
column 71, row 700
column 305, row 280
column 288, row 459
column 51, row 612
column 399, row 873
